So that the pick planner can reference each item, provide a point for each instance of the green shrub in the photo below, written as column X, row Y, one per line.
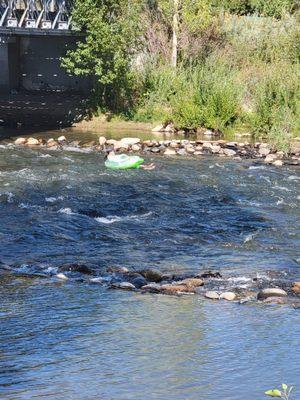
column 270, row 8
column 277, row 106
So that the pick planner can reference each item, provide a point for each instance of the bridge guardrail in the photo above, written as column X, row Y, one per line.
column 36, row 14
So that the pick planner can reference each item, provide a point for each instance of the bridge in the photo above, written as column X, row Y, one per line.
column 30, row 16
column 34, row 35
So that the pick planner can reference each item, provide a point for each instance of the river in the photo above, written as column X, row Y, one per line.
column 73, row 340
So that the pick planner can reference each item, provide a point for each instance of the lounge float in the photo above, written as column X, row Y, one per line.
column 123, row 161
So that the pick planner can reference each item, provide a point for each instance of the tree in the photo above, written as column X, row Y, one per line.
column 187, row 19
column 111, row 36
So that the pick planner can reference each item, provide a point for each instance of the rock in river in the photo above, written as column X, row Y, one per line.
column 275, row 300
column 81, row 268
column 123, row 286
column 139, row 282
column 212, row 295
column 229, row 296
column 296, row 288
column 20, row 141
column 176, row 289
column 271, row 292
column 191, row 282
column 33, row 142
column 152, row 275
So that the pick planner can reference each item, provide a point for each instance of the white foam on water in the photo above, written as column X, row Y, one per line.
column 78, row 149
column 294, row 178
column 111, row 219
column 68, row 159
column 257, row 167
column 249, row 238
column 240, row 279
column 44, row 156
column 282, row 188
column 54, row 199
column 9, row 196
column 67, row 211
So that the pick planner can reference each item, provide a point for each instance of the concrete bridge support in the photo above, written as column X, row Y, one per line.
column 9, row 63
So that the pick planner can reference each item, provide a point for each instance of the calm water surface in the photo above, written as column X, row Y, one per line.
column 79, row 341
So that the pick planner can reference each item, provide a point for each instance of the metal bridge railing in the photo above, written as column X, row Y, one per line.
column 36, row 14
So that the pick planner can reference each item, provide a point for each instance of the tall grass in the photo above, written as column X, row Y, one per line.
column 252, row 80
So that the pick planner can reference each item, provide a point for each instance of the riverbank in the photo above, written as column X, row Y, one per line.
column 172, row 148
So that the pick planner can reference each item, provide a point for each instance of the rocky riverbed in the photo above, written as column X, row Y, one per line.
column 236, row 150
column 267, row 288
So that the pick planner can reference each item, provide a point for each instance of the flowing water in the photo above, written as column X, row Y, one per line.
column 73, row 340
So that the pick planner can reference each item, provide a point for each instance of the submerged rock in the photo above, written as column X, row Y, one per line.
column 271, row 292
column 211, row 274
column 139, row 282
column 275, row 300
column 123, row 286
column 191, row 282
column 152, row 288
column 81, row 268
column 62, row 277
column 176, row 289
column 212, row 295
column 116, row 270
column 152, row 275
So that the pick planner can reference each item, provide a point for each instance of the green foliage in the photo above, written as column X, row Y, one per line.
column 203, row 95
column 235, row 70
column 270, row 8
column 277, row 106
column 111, row 33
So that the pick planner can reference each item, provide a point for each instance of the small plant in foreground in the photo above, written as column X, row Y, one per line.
column 282, row 394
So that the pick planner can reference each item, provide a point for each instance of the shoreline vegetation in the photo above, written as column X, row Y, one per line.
column 227, row 66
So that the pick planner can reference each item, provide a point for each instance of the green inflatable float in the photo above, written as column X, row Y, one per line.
column 122, row 161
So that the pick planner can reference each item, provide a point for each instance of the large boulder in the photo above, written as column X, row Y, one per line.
column 130, row 141
column 229, row 296
column 32, row 142
column 212, row 295
column 152, row 275
column 158, row 128
column 229, row 152
column 170, row 152
column 271, row 292
column 123, row 286
column 102, row 140
column 191, row 282
column 139, row 282
column 264, row 150
column 176, row 289
column 20, row 141
column 151, row 288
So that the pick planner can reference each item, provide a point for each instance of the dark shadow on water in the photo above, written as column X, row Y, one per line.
column 42, row 110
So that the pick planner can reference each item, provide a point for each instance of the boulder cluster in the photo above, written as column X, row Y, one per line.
column 210, row 285
column 172, row 148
